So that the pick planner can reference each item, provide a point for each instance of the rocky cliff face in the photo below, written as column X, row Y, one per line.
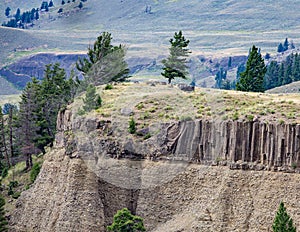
column 93, row 171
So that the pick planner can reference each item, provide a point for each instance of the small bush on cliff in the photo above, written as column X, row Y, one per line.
column 124, row 221
column 282, row 221
column 132, row 126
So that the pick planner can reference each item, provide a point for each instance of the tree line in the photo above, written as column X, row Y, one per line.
column 20, row 20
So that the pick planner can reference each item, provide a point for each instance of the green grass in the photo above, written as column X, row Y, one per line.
column 153, row 105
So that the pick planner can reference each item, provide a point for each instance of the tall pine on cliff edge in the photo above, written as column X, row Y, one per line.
column 175, row 64
column 252, row 80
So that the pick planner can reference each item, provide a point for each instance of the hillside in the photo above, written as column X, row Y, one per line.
column 205, row 160
column 214, row 27
column 290, row 88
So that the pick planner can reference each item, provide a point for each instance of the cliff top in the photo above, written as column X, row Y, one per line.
column 156, row 102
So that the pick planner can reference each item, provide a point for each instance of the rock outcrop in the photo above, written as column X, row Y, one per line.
column 93, row 171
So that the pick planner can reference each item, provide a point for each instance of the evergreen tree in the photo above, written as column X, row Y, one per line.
column 124, row 221
column 105, row 62
column 280, row 48
column 80, row 5
column 220, row 77
column 3, row 220
column 7, row 11
column 296, row 68
column 92, row 100
column 286, row 44
column 272, row 75
column 175, row 64
column 288, row 70
column 253, row 78
column 55, row 93
column 51, row 3
column 37, row 15
column 18, row 15
column 3, row 144
column 29, row 109
column 283, row 222
column 281, row 74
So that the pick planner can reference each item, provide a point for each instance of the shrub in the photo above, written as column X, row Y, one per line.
column 147, row 136
column 34, row 172
column 4, row 172
column 126, row 222
column 16, row 195
column 282, row 221
column 108, row 87
column 132, row 126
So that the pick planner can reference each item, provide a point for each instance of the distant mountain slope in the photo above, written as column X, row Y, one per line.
column 228, row 26
column 290, row 88
column 6, row 88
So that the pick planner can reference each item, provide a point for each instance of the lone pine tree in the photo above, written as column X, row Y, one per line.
column 175, row 64
column 252, row 79
column 105, row 62
column 283, row 222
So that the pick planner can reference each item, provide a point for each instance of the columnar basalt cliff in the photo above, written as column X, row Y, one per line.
column 92, row 172
column 275, row 146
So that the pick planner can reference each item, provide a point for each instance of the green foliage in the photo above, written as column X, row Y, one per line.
column 281, row 74
column 252, row 80
column 220, row 78
column 16, row 195
column 108, row 87
column 124, row 221
column 132, row 126
column 11, row 186
column 34, row 172
column 175, row 64
column 39, row 107
column 7, row 11
column 92, row 100
column 4, row 172
column 3, row 220
column 282, row 221
column 105, row 62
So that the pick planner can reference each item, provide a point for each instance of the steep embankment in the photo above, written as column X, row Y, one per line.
column 97, row 167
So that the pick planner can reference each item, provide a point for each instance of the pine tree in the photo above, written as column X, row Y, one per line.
column 280, row 48
column 105, row 62
column 220, row 77
column 92, row 100
column 37, row 15
column 7, row 11
column 80, row 5
column 286, row 44
column 3, row 143
column 283, row 222
column 51, row 3
column 29, row 109
column 272, row 75
column 175, row 64
column 18, row 15
column 3, row 220
column 252, row 80
column 124, row 221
